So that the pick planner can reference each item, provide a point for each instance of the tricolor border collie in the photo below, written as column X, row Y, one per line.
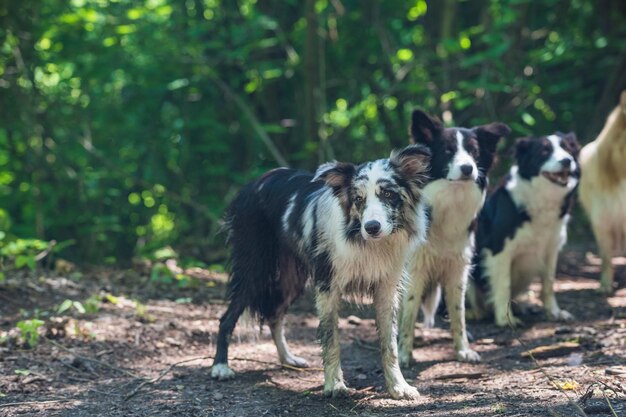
column 460, row 160
column 522, row 227
column 350, row 228
column 603, row 189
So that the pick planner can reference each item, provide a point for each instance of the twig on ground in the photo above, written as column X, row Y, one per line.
column 589, row 393
column 161, row 375
column 295, row 368
column 60, row 400
column 99, row 362
column 172, row 366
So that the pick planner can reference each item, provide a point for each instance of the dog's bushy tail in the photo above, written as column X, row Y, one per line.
column 611, row 144
column 265, row 277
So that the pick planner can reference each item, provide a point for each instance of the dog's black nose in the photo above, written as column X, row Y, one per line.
column 372, row 227
column 467, row 169
column 566, row 162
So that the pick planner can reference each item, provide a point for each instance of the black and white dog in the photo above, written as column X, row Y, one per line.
column 522, row 227
column 460, row 160
column 349, row 227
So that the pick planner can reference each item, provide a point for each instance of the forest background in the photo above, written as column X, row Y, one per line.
column 126, row 127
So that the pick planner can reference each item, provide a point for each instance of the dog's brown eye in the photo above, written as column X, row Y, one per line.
column 387, row 194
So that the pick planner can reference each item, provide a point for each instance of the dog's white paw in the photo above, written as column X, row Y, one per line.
column 468, row 355
column 296, row 361
column 222, row 372
column 561, row 315
column 336, row 390
column 403, row 391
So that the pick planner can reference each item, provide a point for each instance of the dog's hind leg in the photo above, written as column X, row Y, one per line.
column 290, row 283
column 386, row 304
column 454, row 285
column 430, row 305
column 254, row 268
column 220, row 369
column 278, row 334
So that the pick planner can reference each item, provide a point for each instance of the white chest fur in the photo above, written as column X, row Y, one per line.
column 541, row 237
column 454, row 204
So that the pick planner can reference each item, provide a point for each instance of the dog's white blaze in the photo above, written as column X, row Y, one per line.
column 461, row 157
column 553, row 164
column 374, row 209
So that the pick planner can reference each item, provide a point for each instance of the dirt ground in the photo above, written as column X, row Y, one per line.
column 117, row 361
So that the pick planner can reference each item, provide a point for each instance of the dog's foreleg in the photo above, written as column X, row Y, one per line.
column 605, row 247
column 327, row 302
column 498, row 270
column 548, row 298
column 386, row 301
column 408, row 313
column 277, row 326
column 454, row 285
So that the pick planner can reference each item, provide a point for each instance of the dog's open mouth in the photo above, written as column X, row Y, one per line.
column 560, row 178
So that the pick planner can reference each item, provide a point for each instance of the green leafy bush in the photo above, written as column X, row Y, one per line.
column 29, row 331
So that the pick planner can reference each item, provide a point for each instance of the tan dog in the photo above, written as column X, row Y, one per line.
column 603, row 189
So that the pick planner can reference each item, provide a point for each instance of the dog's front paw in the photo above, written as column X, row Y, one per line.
column 296, row 361
column 468, row 355
column 222, row 372
column 336, row 390
column 561, row 315
column 403, row 391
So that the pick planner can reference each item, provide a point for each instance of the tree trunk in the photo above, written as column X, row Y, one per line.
column 311, row 77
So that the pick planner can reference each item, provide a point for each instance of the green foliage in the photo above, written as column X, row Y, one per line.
column 70, row 304
column 29, row 331
column 129, row 126
column 24, row 252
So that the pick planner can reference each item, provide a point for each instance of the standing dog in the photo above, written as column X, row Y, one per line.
column 351, row 228
column 460, row 161
column 523, row 225
column 603, row 189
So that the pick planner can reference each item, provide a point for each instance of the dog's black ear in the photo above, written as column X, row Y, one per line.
column 337, row 175
column 424, row 128
column 488, row 137
column 522, row 145
column 570, row 142
column 413, row 163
